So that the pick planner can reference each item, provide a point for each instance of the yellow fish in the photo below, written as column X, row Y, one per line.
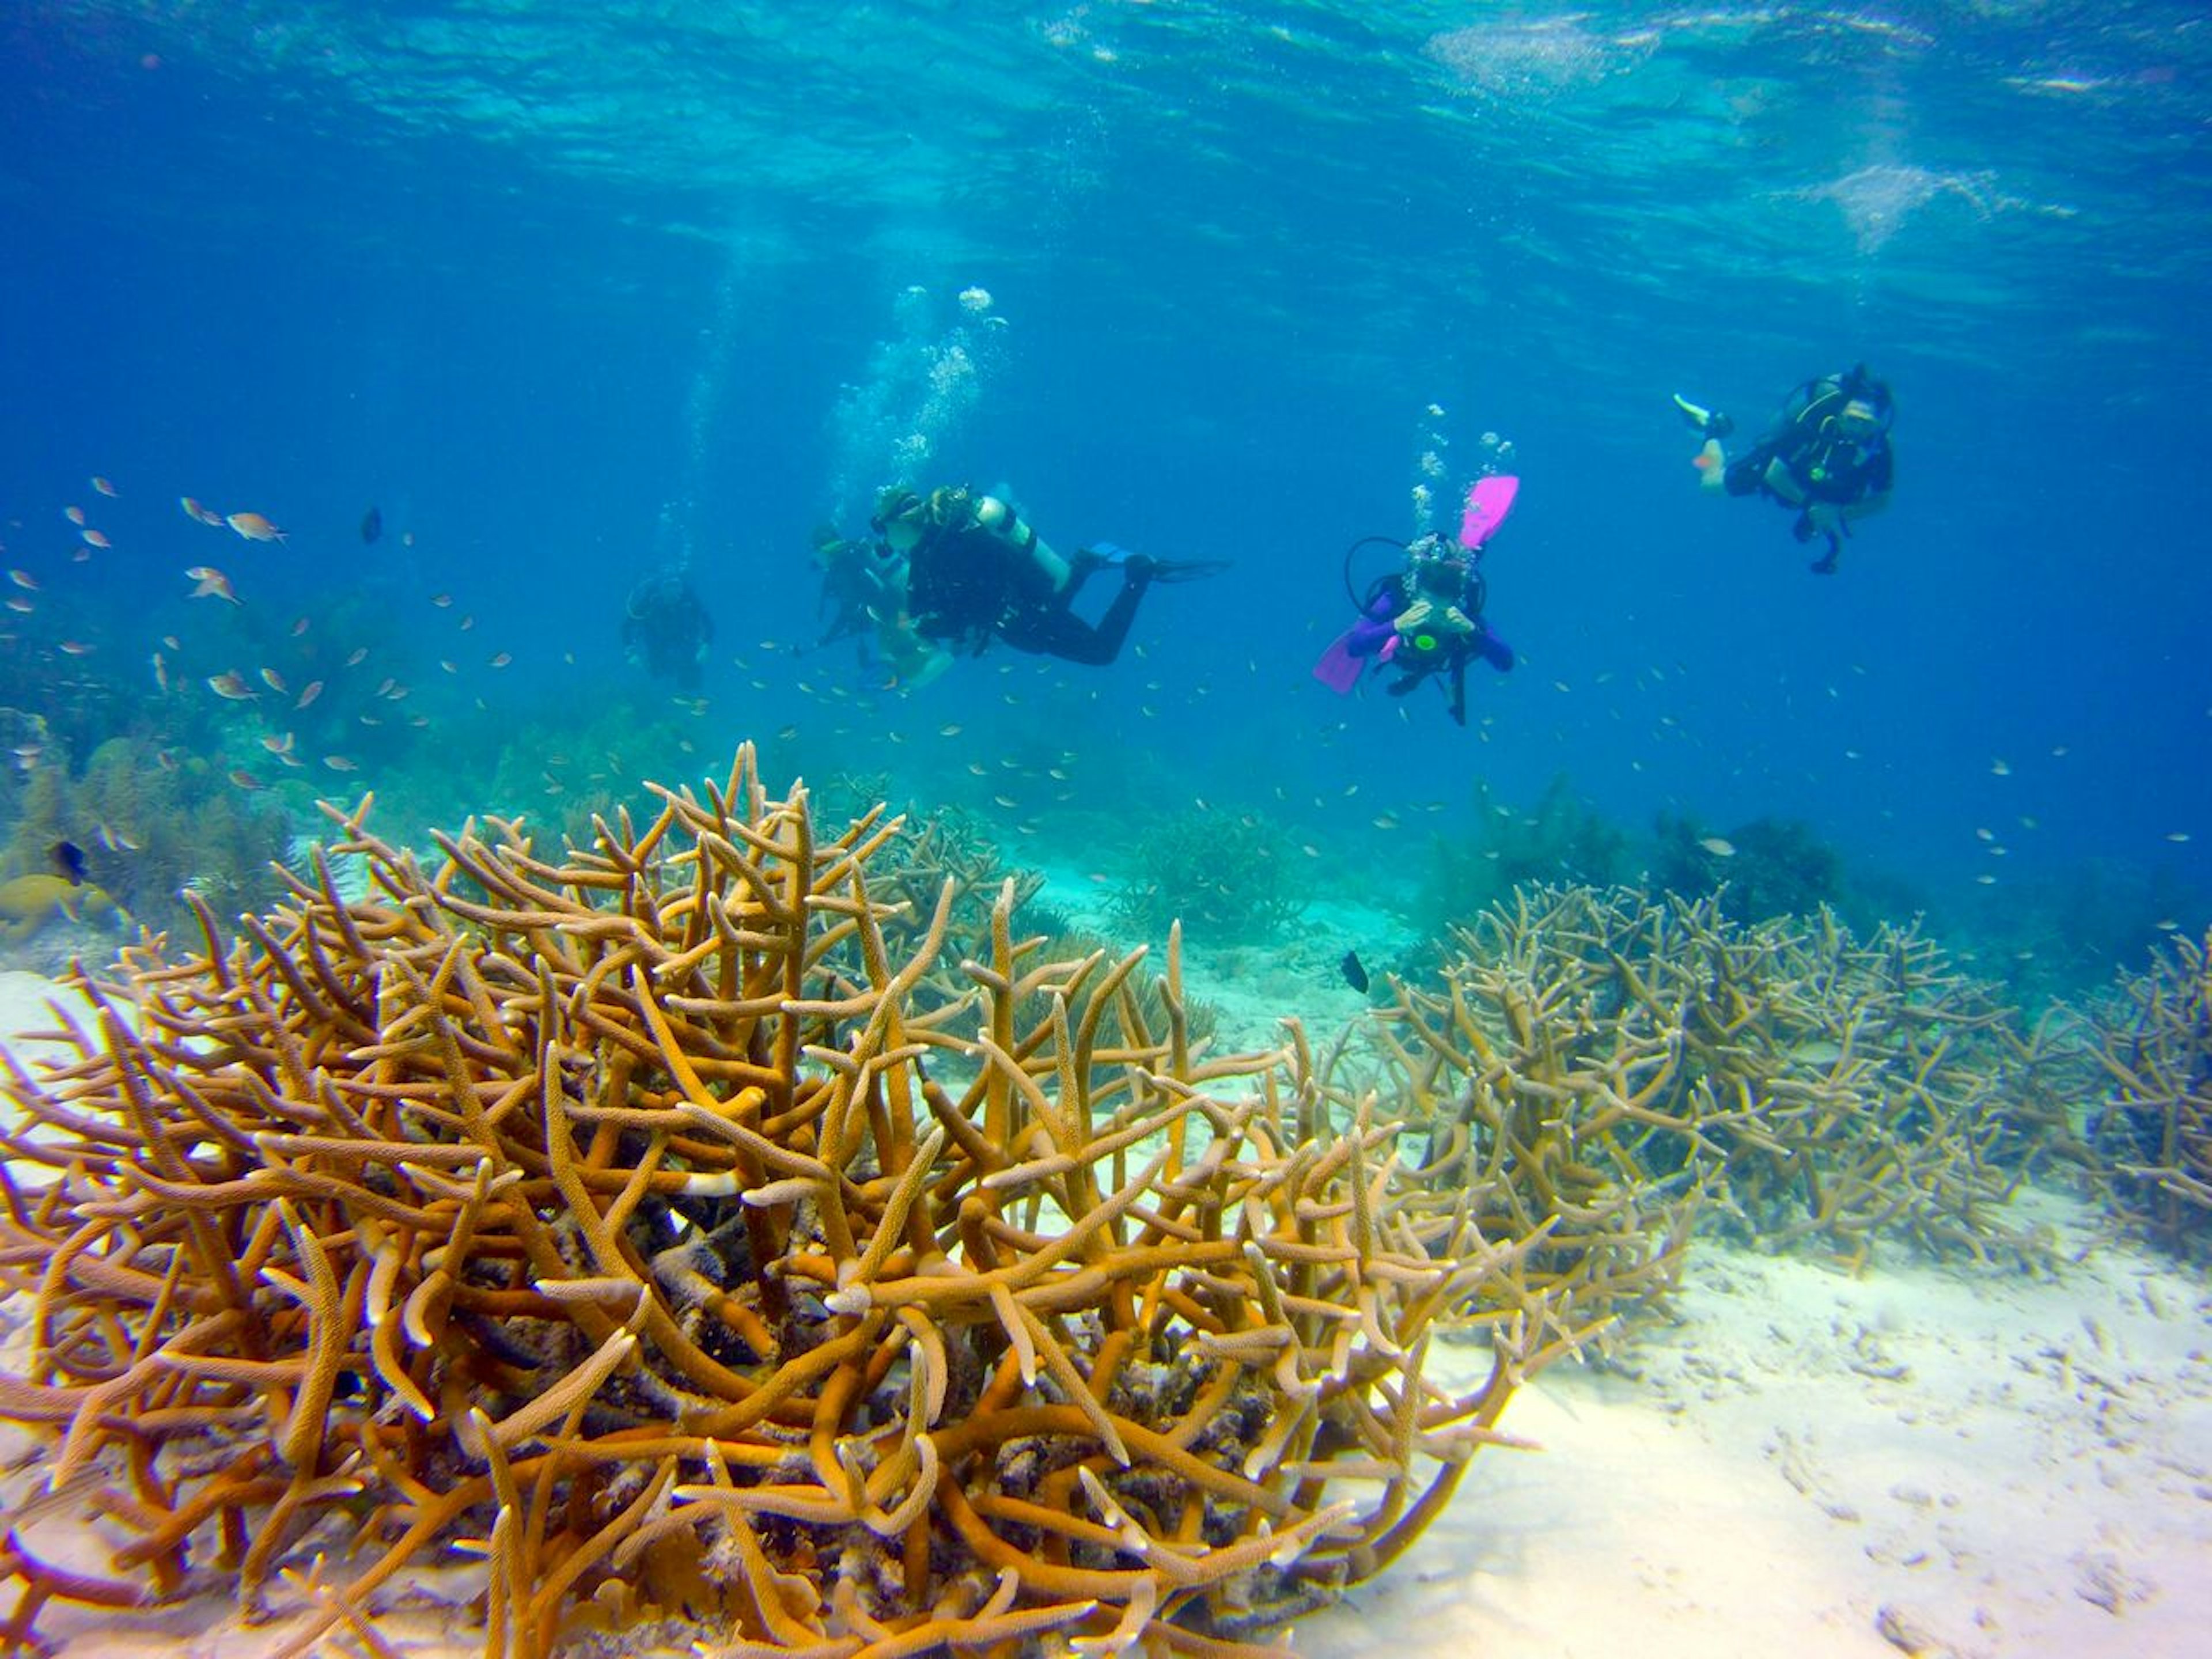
column 254, row 527
column 212, row 584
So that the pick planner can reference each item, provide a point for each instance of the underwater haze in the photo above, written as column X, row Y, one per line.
column 566, row 293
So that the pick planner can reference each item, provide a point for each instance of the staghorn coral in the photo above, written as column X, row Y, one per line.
column 2153, row 1037
column 572, row 1215
column 1604, row 1066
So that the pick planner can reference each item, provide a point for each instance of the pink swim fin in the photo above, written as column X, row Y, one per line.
column 1488, row 501
column 1338, row 669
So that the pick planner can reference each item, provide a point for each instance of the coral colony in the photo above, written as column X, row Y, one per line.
column 692, row 1232
column 633, row 1222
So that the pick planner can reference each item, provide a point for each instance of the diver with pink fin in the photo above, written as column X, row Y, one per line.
column 1425, row 620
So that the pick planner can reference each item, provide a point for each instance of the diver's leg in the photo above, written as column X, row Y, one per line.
column 1747, row 471
column 1055, row 631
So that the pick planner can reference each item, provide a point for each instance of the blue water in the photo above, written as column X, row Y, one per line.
column 569, row 291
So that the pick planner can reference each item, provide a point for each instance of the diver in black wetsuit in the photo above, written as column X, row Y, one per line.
column 1827, row 454
column 968, row 570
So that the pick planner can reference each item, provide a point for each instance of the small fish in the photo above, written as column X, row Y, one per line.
column 2178, row 837
column 74, row 514
column 1719, row 846
column 103, row 486
column 1354, row 972
column 442, row 600
column 254, row 527
column 499, row 660
column 24, row 579
column 314, row 689
column 274, row 682
column 300, row 625
column 195, row 510
column 171, row 641
column 212, row 584
column 96, row 538
column 232, row 685
column 339, row 763
column 68, row 861
column 74, row 648
column 372, row 525
column 467, row 623
column 2001, row 769
column 953, row 730
column 276, row 745
column 18, row 603
column 359, row 656
column 244, row 779
column 160, row 672
column 447, row 663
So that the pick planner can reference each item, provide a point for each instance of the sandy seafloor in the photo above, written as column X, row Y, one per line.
column 1797, row 1463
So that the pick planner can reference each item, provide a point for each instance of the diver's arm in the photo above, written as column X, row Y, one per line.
column 997, row 517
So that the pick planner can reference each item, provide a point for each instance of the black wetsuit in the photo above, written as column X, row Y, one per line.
column 966, row 583
column 1826, row 466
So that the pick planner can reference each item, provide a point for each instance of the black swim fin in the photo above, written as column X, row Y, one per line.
column 1186, row 570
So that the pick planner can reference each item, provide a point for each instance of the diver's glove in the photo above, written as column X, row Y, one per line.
column 1426, row 613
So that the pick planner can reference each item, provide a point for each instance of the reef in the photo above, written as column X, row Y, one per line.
column 149, row 827
column 1608, row 1071
column 1776, row 867
column 620, row 1217
column 2153, row 1039
column 1230, row 879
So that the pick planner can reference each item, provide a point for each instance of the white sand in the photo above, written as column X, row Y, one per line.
column 1808, row 1465
column 1804, row 1465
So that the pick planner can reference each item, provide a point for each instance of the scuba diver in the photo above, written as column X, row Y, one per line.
column 1827, row 454
column 958, row 570
column 860, row 589
column 1426, row 619
column 665, row 630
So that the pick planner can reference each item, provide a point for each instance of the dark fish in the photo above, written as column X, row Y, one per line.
column 68, row 860
column 1354, row 975
column 371, row 524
